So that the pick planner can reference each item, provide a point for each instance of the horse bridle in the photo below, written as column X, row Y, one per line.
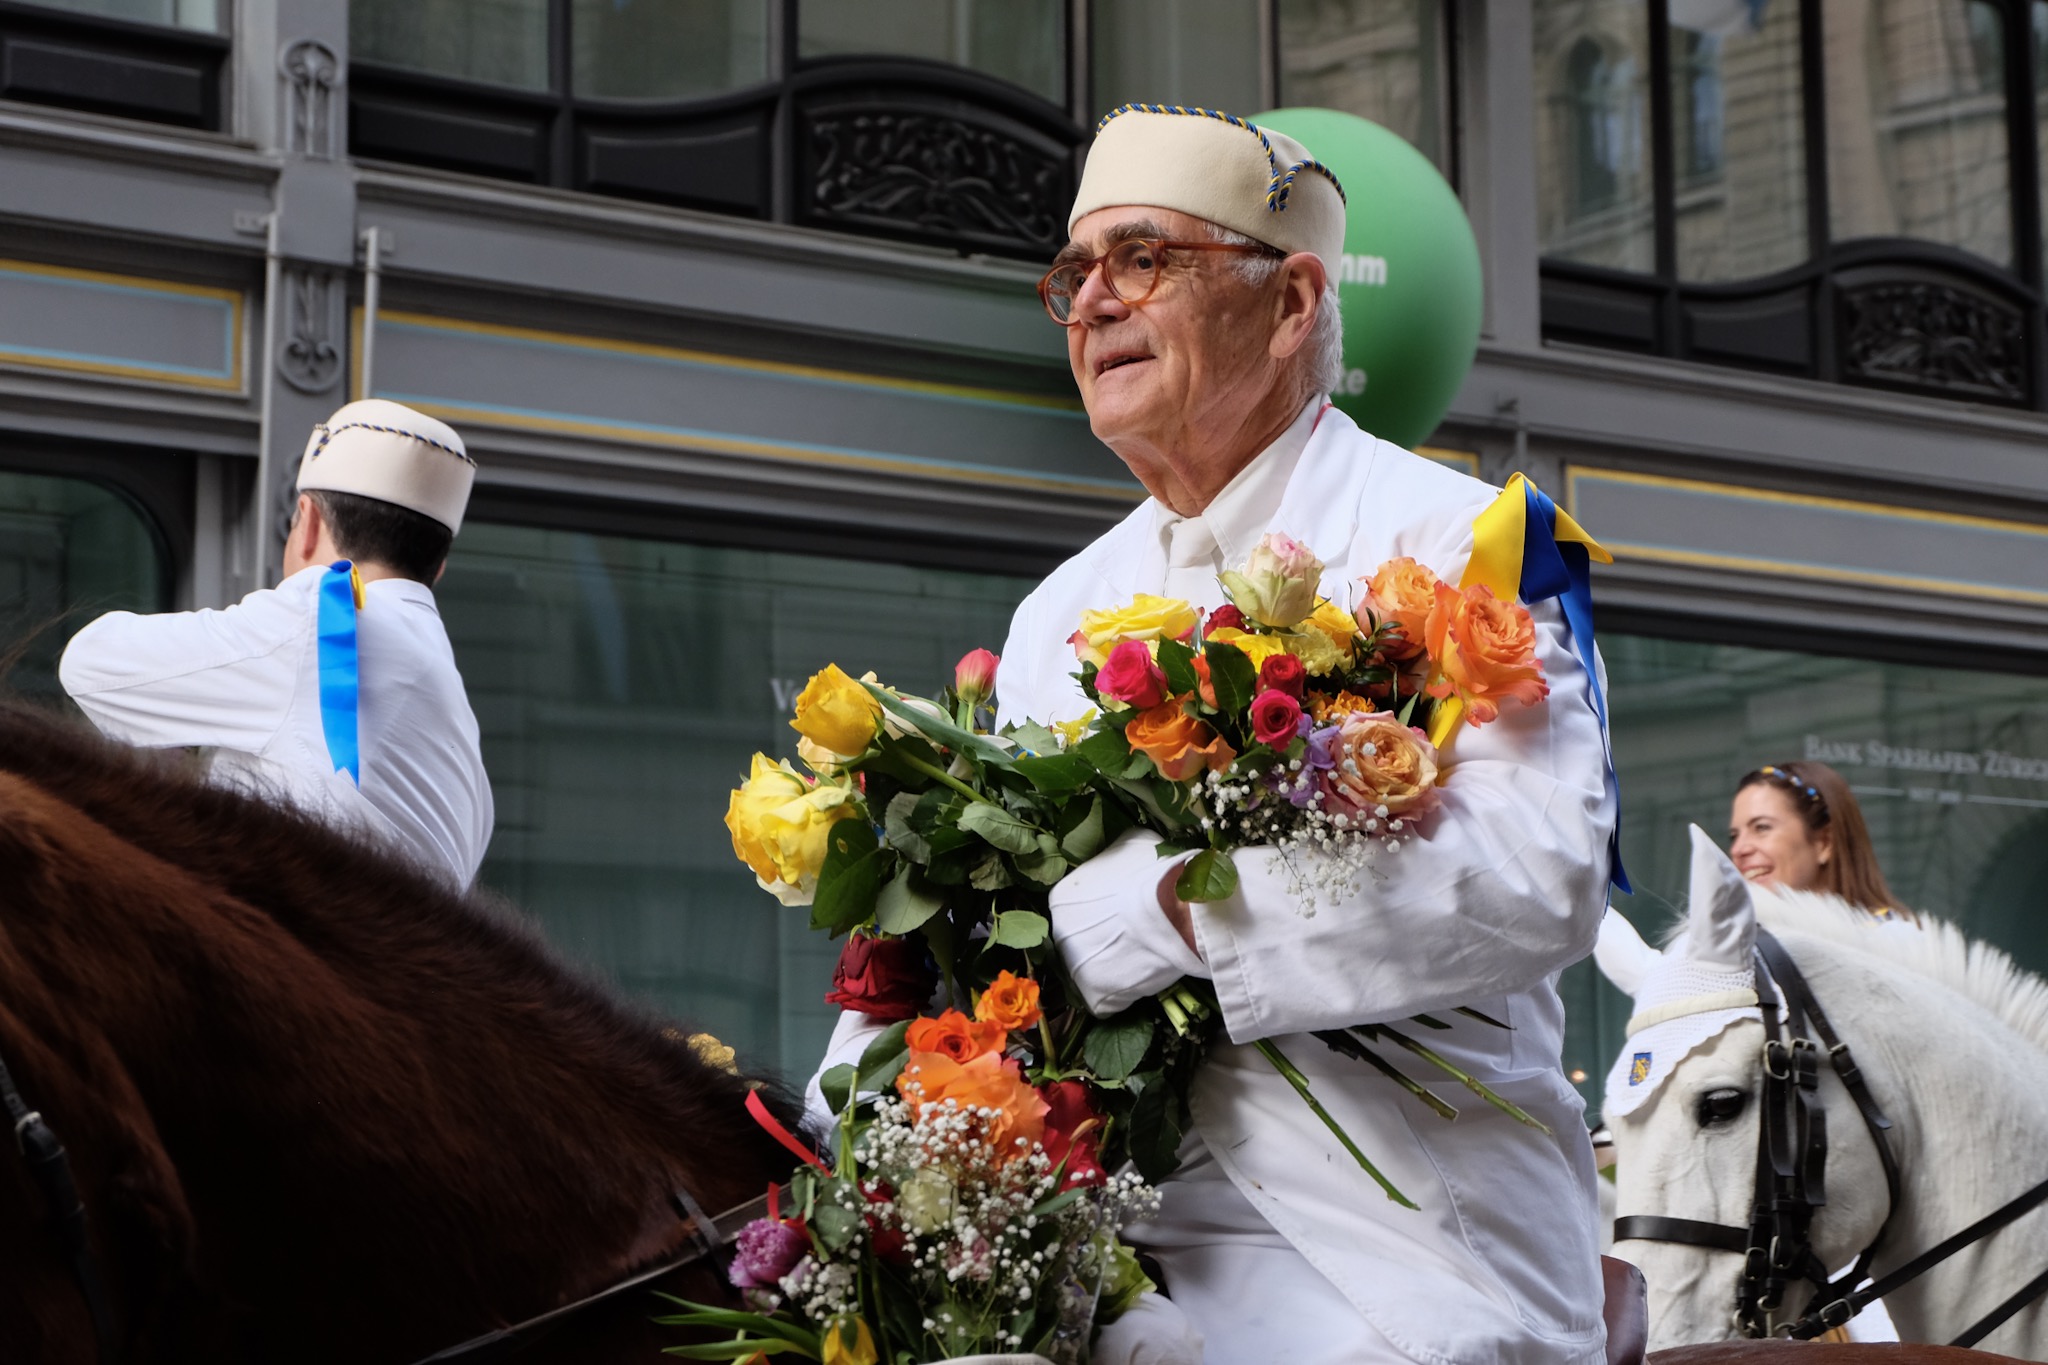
column 49, row 1168
column 1791, row 1164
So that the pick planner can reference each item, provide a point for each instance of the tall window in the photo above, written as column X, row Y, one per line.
column 1917, row 124
column 621, row 685
column 1739, row 136
column 1021, row 41
column 1592, row 60
column 1381, row 59
column 1194, row 52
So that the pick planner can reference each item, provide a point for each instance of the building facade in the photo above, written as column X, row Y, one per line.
column 733, row 301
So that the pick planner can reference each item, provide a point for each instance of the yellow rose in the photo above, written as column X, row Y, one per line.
column 837, row 714
column 1257, row 648
column 1340, row 625
column 1317, row 654
column 1146, row 618
column 779, row 822
column 849, row 1342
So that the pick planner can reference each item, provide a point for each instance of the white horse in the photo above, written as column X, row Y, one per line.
column 1952, row 1041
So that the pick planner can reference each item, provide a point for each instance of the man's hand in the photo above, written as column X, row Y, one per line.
column 1122, row 932
column 1178, row 912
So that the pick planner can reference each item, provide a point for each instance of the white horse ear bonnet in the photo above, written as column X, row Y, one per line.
column 1689, row 994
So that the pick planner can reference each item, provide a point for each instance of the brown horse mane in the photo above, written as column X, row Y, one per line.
column 253, row 1028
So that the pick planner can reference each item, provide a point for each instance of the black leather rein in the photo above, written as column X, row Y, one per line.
column 1791, row 1161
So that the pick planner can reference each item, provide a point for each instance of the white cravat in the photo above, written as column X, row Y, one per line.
column 1192, row 561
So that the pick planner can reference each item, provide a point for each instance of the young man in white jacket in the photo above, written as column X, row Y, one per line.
column 336, row 690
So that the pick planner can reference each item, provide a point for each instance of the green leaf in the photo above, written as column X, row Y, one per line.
column 1155, row 1130
column 990, row 874
column 1107, row 750
column 745, row 1349
column 1407, row 714
column 1057, row 1202
column 883, row 1061
column 1177, row 662
column 835, row 1225
column 940, row 731
column 999, row 828
column 1085, row 839
column 1231, row 673
column 905, row 904
column 1019, row 929
column 900, row 826
column 1057, row 773
column 1116, row 1047
column 1208, row 876
column 1033, row 739
column 851, row 876
column 836, row 1086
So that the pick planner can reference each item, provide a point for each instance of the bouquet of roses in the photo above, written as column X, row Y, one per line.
column 1281, row 720
column 967, row 1210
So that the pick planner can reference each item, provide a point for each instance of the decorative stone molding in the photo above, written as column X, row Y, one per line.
column 312, row 81
column 309, row 356
column 931, row 173
column 1934, row 336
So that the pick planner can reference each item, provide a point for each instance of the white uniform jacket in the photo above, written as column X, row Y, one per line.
column 245, row 682
column 1503, row 888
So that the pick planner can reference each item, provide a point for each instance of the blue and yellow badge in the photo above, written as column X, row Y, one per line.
column 1639, row 1069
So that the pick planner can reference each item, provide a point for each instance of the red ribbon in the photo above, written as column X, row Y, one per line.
column 774, row 1129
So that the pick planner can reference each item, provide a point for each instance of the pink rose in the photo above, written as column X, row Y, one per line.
column 1132, row 676
column 1379, row 762
column 974, row 677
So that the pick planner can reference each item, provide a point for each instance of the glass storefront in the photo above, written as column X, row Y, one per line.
column 621, row 685
column 69, row 550
column 1949, row 766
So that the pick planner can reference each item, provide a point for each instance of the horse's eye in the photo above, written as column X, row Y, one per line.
column 1719, row 1106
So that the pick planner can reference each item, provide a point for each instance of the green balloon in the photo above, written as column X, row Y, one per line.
column 1410, row 283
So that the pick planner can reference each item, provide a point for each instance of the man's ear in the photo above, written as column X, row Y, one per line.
column 1301, row 297
column 307, row 524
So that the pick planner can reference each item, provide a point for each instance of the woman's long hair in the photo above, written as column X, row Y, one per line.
column 1824, row 802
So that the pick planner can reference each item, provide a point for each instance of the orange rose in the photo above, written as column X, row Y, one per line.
column 1178, row 744
column 990, row 1081
column 1010, row 1002
column 1485, row 650
column 1205, row 686
column 954, row 1035
column 1380, row 762
column 1403, row 593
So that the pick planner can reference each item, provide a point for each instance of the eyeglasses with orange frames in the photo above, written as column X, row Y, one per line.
column 1131, row 270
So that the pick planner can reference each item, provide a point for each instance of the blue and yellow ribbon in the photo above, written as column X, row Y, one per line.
column 341, row 597
column 1526, row 546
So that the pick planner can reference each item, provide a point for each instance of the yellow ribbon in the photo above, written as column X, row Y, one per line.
column 1499, row 535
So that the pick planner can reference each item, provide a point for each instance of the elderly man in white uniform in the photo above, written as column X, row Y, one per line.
column 1205, row 370
column 341, row 698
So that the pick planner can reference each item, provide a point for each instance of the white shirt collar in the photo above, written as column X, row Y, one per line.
column 1243, row 512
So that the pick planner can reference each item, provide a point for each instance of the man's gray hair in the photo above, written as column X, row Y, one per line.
column 1320, row 362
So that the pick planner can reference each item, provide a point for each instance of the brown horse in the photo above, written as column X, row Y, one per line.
column 320, row 1108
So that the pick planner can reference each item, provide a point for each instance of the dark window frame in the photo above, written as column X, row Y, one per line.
column 1842, row 314
column 155, row 73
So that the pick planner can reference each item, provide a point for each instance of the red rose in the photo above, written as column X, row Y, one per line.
column 889, row 1243
column 885, row 977
column 1275, row 718
column 1224, row 618
column 1284, row 673
column 1071, row 1127
column 1132, row 677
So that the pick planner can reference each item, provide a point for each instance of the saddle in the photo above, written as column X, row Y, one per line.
column 1626, row 1309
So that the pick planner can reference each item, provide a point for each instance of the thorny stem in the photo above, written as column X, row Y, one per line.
column 1470, row 1082
column 1343, row 1042
column 1300, row 1084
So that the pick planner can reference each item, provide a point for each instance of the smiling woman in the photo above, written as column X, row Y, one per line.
column 1797, row 826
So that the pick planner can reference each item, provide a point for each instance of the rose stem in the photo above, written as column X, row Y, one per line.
column 1300, row 1084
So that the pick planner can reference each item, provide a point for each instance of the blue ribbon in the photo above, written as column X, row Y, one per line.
column 1565, row 571
column 340, row 684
